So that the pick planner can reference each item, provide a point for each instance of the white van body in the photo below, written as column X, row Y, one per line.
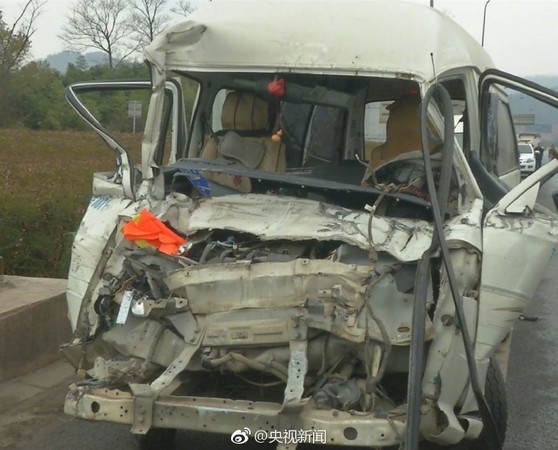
column 337, row 289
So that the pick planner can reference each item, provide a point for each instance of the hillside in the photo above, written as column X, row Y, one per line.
column 60, row 61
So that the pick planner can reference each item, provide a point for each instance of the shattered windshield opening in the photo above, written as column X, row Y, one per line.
column 198, row 173
column 309, row 137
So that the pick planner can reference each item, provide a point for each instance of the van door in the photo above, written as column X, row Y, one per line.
column 124, row 115
column 111, row 109
column 519, row 232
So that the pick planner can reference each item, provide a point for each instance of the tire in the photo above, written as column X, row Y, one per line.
column 495, row 394
column 156, row 439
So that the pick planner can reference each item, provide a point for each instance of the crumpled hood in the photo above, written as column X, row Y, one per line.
column 273, row 218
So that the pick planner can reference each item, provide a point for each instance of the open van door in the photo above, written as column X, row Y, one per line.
column 519, row 233
column 113, row 191
column 173, row 122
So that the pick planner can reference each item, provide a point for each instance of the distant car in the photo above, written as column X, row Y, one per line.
column 526, row 158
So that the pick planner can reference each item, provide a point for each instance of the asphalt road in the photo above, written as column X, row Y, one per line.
column 532, row 382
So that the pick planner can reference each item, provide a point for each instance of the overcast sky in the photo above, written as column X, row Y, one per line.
column 520, row 35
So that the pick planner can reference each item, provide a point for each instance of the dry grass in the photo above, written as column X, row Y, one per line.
column 45, row 185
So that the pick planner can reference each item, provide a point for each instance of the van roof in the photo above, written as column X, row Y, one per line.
column 392, row 38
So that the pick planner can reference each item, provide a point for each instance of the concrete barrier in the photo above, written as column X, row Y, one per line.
column 33, row 323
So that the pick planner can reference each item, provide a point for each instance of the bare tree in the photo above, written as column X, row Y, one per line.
column 15, row 39
column 103, row 25
column 149, row 17
column 183, row 7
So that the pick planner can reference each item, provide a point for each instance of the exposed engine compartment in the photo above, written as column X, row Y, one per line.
column 252, row 299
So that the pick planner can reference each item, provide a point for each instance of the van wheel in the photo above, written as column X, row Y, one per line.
column 156, row 439
column 495, row 394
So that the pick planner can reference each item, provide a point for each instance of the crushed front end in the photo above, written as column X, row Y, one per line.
column 274, row 327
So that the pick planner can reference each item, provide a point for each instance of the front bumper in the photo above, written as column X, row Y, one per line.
column 225, row 416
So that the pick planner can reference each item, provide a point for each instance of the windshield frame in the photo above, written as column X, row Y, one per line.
column 199, row 165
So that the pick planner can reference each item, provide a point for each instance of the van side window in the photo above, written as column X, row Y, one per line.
column 457, row 91
column 499, row 148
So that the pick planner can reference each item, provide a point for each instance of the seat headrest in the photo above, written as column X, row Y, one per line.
column 403, row 125
column 245, row 111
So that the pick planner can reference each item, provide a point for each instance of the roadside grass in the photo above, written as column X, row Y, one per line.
column 45, row 186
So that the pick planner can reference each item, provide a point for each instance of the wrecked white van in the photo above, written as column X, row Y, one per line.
column 308, row 255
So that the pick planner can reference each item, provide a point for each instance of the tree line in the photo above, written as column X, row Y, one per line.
column 35, row 97
column 32, row 93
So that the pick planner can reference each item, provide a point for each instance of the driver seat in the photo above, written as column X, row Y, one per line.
column 245, row 140
column 402, row 132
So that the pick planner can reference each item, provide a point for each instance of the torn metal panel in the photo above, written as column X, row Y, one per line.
column 453, row 380
column 506, row 288
column 267, row 285
column 445, row 322
column 465, row 230
column 145, row 339
column 90, row 245
column 298, row 219
column 393, row 309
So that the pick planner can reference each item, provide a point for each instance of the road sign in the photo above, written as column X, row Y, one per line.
column 134, row 112
column 134, row 109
